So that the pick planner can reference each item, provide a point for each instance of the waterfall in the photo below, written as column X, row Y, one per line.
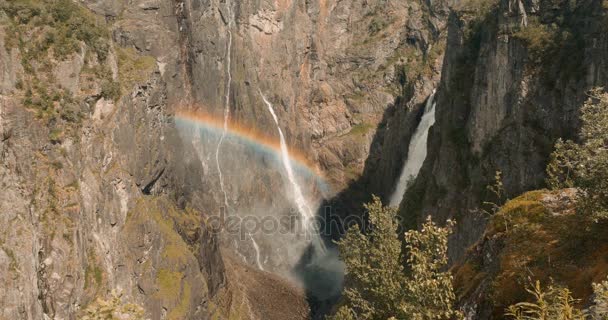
column 308, row 215
column 257, row 252
column 416, row 152
column 226, row 103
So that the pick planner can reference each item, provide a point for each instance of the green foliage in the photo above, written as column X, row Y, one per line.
column 360, row 129
column 56, row 135
column 377, row 285
column 57, row 25
column 110, row 90
column 539, row 38
column 599, row 310
column 114, row 308
column 584, row 164
column 479, row 8
column 133, row 68
column 553, row 304
column 557, row 303
column 498, row 191
column 377, row 24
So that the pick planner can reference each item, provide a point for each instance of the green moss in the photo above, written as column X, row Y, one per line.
column 176, row 253
column 181, row 310
column 56, row 135
column 13, row 265
column 539, row 39
column 543, row 243
column 520, row 211
column 360, row 129
column 92, row 273
column 169, row 284
column 133, row 68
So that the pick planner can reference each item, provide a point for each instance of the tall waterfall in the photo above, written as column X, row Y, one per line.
column 307, row 214
column 416, row 152
column 226, row 102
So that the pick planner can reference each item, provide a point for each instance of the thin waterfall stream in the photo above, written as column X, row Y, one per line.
column 225, row 124
column 226, row 102
column 307, row 214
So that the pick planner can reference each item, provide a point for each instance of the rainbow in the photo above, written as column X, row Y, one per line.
column 253, row 138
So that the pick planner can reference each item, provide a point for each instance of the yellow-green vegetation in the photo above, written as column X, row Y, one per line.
column 181, row 310
column 114, row 308
column 45, row 32
column 479, row 8
column 556, row 302
column 55, row 26
column 93, row 272
column 169, row 283
column 540, row 242
column 168, row 219
column 584, row 164
column 378, row 286
column 13, row 266
column 360, row 129
column 539, row 38
column 176, row 228
column 133, row 68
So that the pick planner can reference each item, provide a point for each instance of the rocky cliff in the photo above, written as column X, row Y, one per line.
column 103, row 190
column 514, row 76
column 99, row 192
column 103, row 193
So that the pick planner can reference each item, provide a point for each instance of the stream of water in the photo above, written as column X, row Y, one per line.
column 304, row 208
column 416, row 152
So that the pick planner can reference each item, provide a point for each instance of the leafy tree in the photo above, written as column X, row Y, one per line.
column 584, row 164
column 377, row 284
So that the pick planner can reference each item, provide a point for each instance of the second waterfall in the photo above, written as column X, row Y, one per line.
column 416, row 152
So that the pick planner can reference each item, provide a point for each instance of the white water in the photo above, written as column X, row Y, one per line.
column 416, row 152
column 226, row 102
column 226, row 119
column 308, row 215
column 257, row 252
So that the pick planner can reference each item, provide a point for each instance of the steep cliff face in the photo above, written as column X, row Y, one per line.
column 331, row 68
column 513, row 78
column 336, row 73
column 99, row 192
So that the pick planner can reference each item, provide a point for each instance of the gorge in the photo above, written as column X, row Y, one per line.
column 197, row 159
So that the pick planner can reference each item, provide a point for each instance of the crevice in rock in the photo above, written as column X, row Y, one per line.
column 147, row 189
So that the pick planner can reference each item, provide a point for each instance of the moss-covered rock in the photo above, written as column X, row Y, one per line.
column 537, row 236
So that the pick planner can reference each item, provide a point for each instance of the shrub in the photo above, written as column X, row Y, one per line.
column 554, row 303
column 113, row 309
column 56, row 25
column 133, row 68
column 557, row 303
column 110, row 90
column 539, row 38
